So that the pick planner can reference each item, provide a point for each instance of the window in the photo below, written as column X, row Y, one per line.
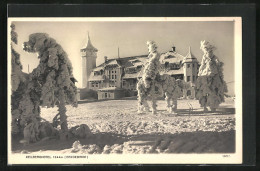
column 96, row 84
column 188, row 65
column 188, row 78
column 166, row 64
column 112, row 76
column 112, row 71
column 115, row 71
column 93, row 85
column 109, row 76
column 193, row 78
column 115, row 76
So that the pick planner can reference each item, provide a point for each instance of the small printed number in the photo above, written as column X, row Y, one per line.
column 226, row 155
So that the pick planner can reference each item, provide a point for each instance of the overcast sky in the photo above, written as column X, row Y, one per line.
column 131, row 39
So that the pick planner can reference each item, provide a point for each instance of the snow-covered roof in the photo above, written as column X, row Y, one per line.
column 133, row 75
column 136, row 64
column 113, row 62
column 171, row 57
column 110, row 89
column 129, row 76
column 93, row 77
column 128, row 65
column 173, row 72
column 98, row 68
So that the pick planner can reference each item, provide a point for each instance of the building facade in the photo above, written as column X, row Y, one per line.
column 116, row 78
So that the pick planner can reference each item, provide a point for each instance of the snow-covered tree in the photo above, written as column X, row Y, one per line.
column 210, row 85
column 146, row 85
column 50, row 83
column 18, row 79
column 153, row 65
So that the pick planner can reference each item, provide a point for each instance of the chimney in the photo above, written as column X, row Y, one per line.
column 173, row 48
column 105, row 59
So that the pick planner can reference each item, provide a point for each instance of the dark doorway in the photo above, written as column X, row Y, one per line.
column 188, row 93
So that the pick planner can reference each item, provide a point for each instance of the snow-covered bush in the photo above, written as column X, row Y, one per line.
column 210, row 85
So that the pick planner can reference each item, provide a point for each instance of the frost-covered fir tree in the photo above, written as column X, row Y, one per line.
column 18, row 85
column 146, row 85
column 152, row 67
column 50, row 83
column 210, row 85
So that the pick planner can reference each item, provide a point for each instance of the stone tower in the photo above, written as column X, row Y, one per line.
column 190, row 67
column 89, row 56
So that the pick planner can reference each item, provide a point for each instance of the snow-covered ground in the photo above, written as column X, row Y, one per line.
column 118, row 128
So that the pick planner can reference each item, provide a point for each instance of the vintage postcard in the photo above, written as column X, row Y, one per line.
column 133, row 90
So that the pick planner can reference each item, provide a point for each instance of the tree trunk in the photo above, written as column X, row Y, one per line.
column 62, row 112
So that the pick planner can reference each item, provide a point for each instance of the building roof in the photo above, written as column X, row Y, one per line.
column 113, row 62
column 98, row 68
column 173, row 72
column 93, row 77
column 135, row 64
column 171, row 57
column 129, row 76
column 190, row 57
column 89, row 46
column 125, row 61
column 133, row 75
column 110, row 89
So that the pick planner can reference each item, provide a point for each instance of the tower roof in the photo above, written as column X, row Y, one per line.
column 89, row 46
column 190, row 57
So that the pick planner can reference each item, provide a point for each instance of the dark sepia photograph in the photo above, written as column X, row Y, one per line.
column 125, row 90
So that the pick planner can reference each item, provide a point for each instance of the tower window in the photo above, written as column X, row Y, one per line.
column 188, row 78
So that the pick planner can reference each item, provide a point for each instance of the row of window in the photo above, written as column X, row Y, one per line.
column 112, row 76
column 112, row 71
column 94, row 84
column 111, row 84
